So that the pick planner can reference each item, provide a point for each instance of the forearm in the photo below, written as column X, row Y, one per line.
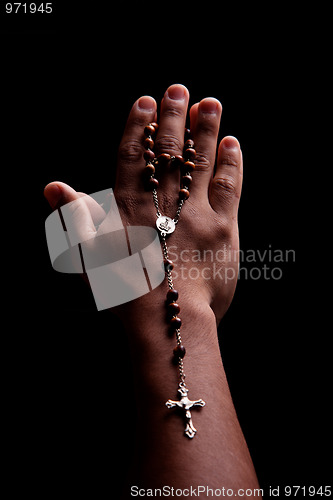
column 217, row 455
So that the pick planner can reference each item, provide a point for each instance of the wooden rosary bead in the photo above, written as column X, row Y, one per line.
column 149, row 155
column 149, row 143
column 188, row 166
column 184, row 194
column 163, row 159
column 149, row 130
column 172, row 295
column 186, row 181
column 179, row 351
column 155, row 125
column 173, row 309
column 175, row 323
column 153, row 183
column 177, row 160
column 189, row 144
column 149, row 169
column 168, row 265
column 187, row 134
column 190, row 154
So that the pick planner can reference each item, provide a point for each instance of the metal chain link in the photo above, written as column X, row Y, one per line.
column 180, row 206
column 155, row 199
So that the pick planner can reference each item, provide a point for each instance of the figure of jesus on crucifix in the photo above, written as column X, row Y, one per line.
column 185, row 404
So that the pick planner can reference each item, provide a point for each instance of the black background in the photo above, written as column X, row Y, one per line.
column 69, row 82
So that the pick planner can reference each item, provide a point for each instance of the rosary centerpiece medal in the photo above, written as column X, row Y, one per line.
column 166, row 226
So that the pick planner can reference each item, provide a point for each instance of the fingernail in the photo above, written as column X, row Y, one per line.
column 231, row 142
column 53, row 194
column 146, row 103
column 209, row 105
column 176, row 92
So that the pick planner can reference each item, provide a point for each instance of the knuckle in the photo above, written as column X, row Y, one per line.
column 168, row 143
column 224, row 227
column 228, row 186
column 208, row 125
column 138, row 120
column 202, row 163
column 130, row 152
column 229, row 160
column 173, row 112
column 227, row 227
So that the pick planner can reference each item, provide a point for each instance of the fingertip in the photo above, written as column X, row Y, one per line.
column 194, row 116
column 53, row 194
column 230, row 142
column 58, row 193
column 194, row 112
column 210, row 105
column 146, row 103
column 194, row 108
column 229, row 152
column 177, row 92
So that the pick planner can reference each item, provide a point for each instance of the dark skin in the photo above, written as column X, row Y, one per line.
column 218, row 455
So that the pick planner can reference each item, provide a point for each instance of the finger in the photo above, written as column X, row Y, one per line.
column 205, row 123
column 59, row 193
column 226, row 186
column 194, row 116
column 130, row 153
column 76, row 213
column 170, row 136
column 97, row 211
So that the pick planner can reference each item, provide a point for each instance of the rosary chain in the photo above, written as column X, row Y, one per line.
column 165, row 255
column 158, row 213
column 155, row 199
column 181, row 371
column 154, row 162
column 178, row 335
column 166, row 226
column 180, row 206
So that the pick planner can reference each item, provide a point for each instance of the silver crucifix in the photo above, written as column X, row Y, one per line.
column 186, row 404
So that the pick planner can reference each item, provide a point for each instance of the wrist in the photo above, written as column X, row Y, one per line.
column 152, row 342
column 143, row 316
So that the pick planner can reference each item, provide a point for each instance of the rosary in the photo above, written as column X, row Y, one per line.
column 166, row 226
